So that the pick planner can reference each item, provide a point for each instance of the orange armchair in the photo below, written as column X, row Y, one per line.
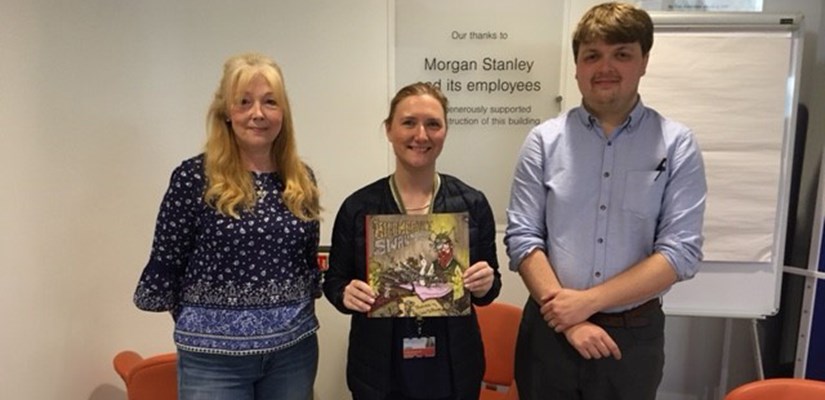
column 779, row 389
column 152, row 378
column 499, row 324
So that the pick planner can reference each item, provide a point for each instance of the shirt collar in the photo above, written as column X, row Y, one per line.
column 633, row 119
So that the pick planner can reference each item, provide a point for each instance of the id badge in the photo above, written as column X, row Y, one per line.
column 419, row 347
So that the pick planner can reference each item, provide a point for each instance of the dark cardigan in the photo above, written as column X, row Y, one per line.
column 369, row 355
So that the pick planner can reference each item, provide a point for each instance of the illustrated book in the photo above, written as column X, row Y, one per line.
column 416, row 264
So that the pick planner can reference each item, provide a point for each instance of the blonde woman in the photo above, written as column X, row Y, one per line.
column 234, row 257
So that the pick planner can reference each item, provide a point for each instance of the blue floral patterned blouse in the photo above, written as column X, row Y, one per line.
column 234, row 286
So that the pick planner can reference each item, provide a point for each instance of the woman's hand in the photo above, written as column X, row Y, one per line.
column 478, row 279
column 358, row 296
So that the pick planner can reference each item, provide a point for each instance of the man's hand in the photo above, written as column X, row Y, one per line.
column 564, row 308
column 592, row 342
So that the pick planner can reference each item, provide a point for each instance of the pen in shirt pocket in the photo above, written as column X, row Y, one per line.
column 660, row 168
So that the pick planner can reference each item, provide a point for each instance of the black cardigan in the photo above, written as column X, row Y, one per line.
column 369, row 354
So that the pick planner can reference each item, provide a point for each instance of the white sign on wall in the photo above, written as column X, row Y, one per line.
column 498, row 64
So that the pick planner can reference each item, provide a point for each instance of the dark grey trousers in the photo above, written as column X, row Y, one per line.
column 547, row 367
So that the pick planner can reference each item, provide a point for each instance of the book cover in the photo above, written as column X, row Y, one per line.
column 416, row 263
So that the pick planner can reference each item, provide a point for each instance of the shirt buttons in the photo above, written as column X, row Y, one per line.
column 607, row 174
column 598, row 274
column 599, row 240
column 602, row 207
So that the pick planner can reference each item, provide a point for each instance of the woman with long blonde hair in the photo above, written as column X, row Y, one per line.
column 234, row 257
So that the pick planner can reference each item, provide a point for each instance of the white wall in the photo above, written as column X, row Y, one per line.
column 100, row 99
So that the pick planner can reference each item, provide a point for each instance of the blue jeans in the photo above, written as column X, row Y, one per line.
column 286, row 374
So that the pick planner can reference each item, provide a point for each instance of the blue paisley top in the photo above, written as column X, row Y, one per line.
column 234, row 286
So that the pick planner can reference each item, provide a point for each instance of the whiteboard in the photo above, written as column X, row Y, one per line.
column 736, row 85
column 733, row 79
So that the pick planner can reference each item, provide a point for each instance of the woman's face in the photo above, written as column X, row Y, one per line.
column 417, row 131
column 256, row 117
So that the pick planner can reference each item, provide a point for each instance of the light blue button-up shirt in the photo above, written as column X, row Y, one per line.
column 598, row 205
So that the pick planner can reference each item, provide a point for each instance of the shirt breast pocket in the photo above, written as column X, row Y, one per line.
column 643, row 192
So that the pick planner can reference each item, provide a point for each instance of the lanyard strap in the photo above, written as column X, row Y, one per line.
column 396, row 194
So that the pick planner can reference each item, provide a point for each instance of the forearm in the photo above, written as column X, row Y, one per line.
column 538, row 275
column 342, row 258
column 641, row 282
column 339, row 274
column 491, row 294
column 334, row 292
column 486, row 250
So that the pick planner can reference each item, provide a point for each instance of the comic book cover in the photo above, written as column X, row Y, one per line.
column 416, row 263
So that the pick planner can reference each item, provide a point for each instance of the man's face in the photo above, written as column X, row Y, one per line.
column 608, row 74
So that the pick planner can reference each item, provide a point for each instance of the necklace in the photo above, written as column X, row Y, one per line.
column 396, row 194
column 260, row 191
column 418, row 208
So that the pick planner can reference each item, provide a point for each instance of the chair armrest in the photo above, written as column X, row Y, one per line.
column 124, row 362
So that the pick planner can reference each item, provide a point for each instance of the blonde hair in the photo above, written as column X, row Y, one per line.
column 229, row 184
column 416, row 89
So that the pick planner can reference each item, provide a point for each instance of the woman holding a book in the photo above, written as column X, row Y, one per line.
column 418, row 357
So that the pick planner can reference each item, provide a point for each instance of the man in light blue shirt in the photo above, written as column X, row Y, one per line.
column 605, row 214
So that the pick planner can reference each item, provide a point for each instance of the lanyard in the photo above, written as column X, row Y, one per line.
column 396, row 195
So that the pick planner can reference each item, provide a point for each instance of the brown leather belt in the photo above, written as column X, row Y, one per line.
column 633, row 318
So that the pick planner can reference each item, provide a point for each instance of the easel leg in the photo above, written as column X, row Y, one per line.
column 757, row 350
column 726, row 344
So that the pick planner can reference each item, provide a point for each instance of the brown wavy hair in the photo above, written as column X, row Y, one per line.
column 614, row 23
